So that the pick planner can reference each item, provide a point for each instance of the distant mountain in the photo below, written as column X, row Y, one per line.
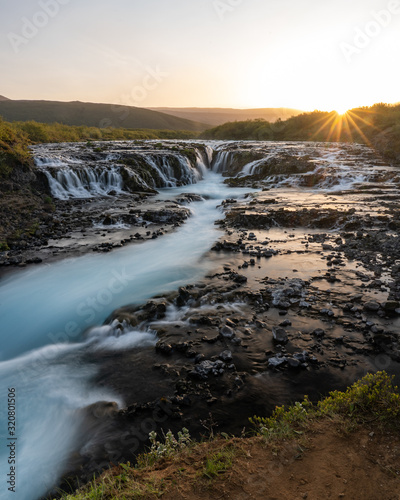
column 94, row 115
column 218, row 116
column 2, row 98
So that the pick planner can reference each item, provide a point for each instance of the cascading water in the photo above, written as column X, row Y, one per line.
column 77, row 174
column 45, row 361
column 50, row 315
column 67, row 183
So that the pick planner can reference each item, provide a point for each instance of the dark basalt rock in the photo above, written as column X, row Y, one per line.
column 372, row 306
column 280, row 336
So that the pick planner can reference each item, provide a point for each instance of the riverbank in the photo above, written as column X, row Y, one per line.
column 347, row 447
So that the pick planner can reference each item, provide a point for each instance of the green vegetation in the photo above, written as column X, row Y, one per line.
column 219, row 462
column 373, row 400
column 377, row 126
column 165, row 449
column 13, row 148
column 56, row 132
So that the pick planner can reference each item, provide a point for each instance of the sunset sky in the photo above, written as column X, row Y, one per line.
column 305, row 54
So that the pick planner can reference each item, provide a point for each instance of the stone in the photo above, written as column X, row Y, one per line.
column 280, row 336
column 371, row 306
column 293, row 363
column 165, row 349
column 391, row 305
column 227, row 332
column 226, row 356
column 302, row 357
column 276, row 361
column 239, row 278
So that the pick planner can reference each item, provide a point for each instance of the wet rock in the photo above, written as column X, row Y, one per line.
column 199, row 358
column 319, row 333
column 230, row 323
column 109, row 220
column 371, row 306
column 226, row 356
column 260, row 324
column 293, row 363
column 238, row 278
column 277, row 361
column 163, row 348
column 391, row 306
column 183, row 297
column 202, row 321
column 227, row 332
column 302, row 357
column 206, row 368
column 154, row 310
column 280, row 336
column 212, row 340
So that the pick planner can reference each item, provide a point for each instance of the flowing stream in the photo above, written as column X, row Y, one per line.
column 50, row 316
column 45, row 312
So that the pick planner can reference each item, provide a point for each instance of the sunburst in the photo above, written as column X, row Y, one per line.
column 341, row 111
column 345, row 126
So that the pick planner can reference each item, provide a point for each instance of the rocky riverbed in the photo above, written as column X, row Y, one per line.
column 304, row 299
column 303, row 295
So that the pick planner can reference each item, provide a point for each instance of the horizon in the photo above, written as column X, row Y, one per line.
column 240, row 54
column 205, row 107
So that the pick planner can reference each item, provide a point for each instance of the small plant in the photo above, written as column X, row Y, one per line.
column 219, row 463
column 374, row 396
column 164, row 449
column 4, row 247
column 283, row 420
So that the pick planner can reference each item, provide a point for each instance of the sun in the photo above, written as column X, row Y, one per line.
column 341, row 110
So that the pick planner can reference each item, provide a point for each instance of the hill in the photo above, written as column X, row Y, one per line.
column 94, row 115
column 2, row 98
column 218, row 116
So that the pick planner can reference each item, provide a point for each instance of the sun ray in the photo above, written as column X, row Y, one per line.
column 369, row 124
column 358, row 129
column 348, row 128
column 324, row 125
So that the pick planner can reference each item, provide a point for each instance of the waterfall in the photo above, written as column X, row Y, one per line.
column 87, row 182
column 222, row 161
column 75, row 173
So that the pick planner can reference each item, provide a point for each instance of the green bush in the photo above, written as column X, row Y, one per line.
column 372, row 398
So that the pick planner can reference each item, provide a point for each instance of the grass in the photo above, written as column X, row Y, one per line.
column 174, row 461
column 219, row 463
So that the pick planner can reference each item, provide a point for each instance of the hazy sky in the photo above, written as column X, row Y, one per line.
column 307, row 54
